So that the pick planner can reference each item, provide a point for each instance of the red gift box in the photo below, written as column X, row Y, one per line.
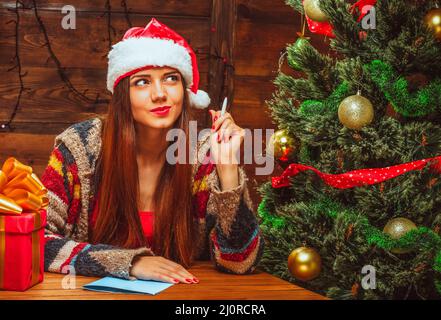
column 22, row 220
column 22, row 250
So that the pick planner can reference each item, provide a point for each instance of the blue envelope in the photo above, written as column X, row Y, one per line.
column 117, row 285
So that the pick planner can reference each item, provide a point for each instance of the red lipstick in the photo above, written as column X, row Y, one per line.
column 161, row 111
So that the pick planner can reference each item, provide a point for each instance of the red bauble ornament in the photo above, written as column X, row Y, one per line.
column 325, row 28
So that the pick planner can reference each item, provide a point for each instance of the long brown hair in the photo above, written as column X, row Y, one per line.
column 118, row 221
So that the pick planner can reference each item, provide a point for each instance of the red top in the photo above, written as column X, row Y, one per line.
column 147, row 220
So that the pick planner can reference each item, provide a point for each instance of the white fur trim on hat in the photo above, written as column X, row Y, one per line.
column 200, row 100
column 134, row 53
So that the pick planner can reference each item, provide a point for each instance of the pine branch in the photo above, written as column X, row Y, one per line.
column 296, row 4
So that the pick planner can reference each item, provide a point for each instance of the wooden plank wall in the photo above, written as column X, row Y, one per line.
column 262, row 30
column 48, row 107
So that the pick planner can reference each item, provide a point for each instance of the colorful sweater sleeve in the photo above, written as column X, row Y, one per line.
column 67, row 251
column 235, row 241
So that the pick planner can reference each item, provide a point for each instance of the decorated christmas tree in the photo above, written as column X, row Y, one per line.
column 356, row 210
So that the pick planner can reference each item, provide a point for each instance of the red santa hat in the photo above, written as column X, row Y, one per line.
column 155, row 45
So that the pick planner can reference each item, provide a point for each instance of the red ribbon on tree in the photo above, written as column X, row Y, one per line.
column 363, row 4
column 356, row 178
column 326, row 28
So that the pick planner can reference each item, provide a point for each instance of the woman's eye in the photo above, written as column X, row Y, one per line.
column 141, row 82
column 172, row 78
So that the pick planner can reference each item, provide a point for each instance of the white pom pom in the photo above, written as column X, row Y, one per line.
column 201, row 100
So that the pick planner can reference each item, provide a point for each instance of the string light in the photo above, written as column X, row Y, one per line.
column 61, row 70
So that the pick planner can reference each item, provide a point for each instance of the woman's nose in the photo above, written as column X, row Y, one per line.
column 158, row 92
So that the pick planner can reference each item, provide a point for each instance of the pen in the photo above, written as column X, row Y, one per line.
column 223, row 110
column 224, row 106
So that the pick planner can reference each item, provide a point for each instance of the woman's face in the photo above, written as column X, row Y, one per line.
column 156, row 97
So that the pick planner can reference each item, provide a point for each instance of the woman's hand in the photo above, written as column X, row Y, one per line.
column 160, row 269
column 225, row 142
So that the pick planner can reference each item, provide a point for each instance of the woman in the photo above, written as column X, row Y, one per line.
column 118, row 207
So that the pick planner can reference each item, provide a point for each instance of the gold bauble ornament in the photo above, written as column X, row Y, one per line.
column 433, row 21
column 282, row 146
column 398, row 227
column 355, row 112
column 304, row 263
column 313, row 11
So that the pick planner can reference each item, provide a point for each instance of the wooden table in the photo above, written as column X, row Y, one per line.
column 213, row 285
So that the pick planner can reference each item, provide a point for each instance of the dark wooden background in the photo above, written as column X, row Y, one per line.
column 250, row 34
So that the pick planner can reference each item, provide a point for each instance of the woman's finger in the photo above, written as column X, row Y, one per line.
column 178, row 274
column 219, row 121
column 171, row 264
column 214, row 116
column 227, row 131
column 160, row 276
column 221, row 130
column 177, row 268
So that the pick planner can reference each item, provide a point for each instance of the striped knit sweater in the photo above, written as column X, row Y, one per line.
column 228, row 228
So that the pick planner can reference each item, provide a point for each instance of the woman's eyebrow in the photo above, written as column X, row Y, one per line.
column 140, row 76
column 171, row 72
column 148, row 75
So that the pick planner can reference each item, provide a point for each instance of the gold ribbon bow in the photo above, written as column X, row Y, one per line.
column 20, row 189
